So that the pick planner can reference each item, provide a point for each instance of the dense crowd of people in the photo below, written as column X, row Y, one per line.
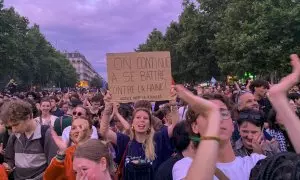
column 220, row 132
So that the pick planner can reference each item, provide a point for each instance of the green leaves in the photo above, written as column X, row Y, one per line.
column 234, row 36
column 28, row 57
column 96, row 82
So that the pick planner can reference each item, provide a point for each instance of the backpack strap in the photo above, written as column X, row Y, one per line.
column 60, row 122
column 220, row 175
column 44, row 129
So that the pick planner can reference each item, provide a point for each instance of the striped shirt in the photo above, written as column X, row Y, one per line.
column 28, row 156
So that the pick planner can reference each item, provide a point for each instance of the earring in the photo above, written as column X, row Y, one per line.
column 132, row 128
column 148, row 131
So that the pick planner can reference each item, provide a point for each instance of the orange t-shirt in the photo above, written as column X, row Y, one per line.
column 61, row 170
column 3, row 173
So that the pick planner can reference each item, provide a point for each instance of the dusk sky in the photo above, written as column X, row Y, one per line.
column 95, row 27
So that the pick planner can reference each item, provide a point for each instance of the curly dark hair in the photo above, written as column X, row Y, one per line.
column 15, row 111
column 259, row 83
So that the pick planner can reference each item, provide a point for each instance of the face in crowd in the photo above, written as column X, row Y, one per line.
column 247, row 101
column 53, row 103
column 65, row 108
column 261, row 91
column 92, row 161
column 79, row 112
column 249, row 132
column 45, row 107
column 21, row 126
column 80, row 130
column 226, row 126
column 141, row 121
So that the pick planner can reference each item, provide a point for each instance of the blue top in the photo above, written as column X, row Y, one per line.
column 135, row 151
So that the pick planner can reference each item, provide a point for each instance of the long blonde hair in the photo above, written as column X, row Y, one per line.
column 149, row 144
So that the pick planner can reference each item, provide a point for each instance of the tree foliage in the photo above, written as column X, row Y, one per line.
column 96, row 82
column 258, row 36
column 27, row 57
column 229, row 37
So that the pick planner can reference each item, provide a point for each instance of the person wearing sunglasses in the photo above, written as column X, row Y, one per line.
column 250, row 125
column 79, row 112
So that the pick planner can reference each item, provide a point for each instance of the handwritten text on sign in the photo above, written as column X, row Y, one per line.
column 139, row 75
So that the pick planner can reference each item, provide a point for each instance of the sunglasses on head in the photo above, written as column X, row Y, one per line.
column 250, row 116
column 77, row 113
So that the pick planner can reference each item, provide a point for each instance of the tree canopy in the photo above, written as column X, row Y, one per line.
column 229, row 37
column 27, row 57
column 96, row 82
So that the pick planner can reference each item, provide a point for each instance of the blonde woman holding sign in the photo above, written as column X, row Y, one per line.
column 139, row 154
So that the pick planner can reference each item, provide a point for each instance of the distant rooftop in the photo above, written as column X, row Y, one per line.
column 77, row 54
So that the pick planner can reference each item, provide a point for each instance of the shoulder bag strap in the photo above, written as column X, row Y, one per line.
column 220, row 175
column 122, row 163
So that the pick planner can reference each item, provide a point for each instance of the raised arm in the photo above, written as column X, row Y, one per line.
column 203, row 167
column 237, row 86
column 122, row 120
column 174, row 116
column 279, row 100
column 105, row 120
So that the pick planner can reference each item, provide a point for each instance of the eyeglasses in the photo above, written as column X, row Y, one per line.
column 225, row 114
column 77, row 113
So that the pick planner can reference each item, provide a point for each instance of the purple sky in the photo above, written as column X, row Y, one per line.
column 95, row 27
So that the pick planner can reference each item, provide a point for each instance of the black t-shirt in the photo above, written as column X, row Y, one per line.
column 265, row 105
column 57, row 112
column 289, row 145
column 164, row 171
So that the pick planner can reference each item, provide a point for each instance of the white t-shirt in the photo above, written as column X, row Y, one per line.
column 66, row 134
column 239, row 169
column 49, row 122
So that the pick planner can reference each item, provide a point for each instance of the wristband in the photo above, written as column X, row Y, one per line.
column 60, row 157
column 211, row 138
column 203, row 138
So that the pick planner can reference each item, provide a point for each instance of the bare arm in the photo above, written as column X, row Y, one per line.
column 203, row 167
column 104, row 122
column 277, row 96
column 122, row 120
column 237, row 86
column 175, row 118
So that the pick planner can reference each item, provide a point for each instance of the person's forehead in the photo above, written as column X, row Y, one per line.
column 220, row 104
column 78, row 162
column 45, row 103
column 141, row 113
column 79, row 109
column 248, row 125
column 79, row 121
column 246, row 96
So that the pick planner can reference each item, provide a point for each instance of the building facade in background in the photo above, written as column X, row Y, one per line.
column 83, row 67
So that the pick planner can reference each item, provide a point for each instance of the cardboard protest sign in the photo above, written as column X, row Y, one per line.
column 139, row 75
